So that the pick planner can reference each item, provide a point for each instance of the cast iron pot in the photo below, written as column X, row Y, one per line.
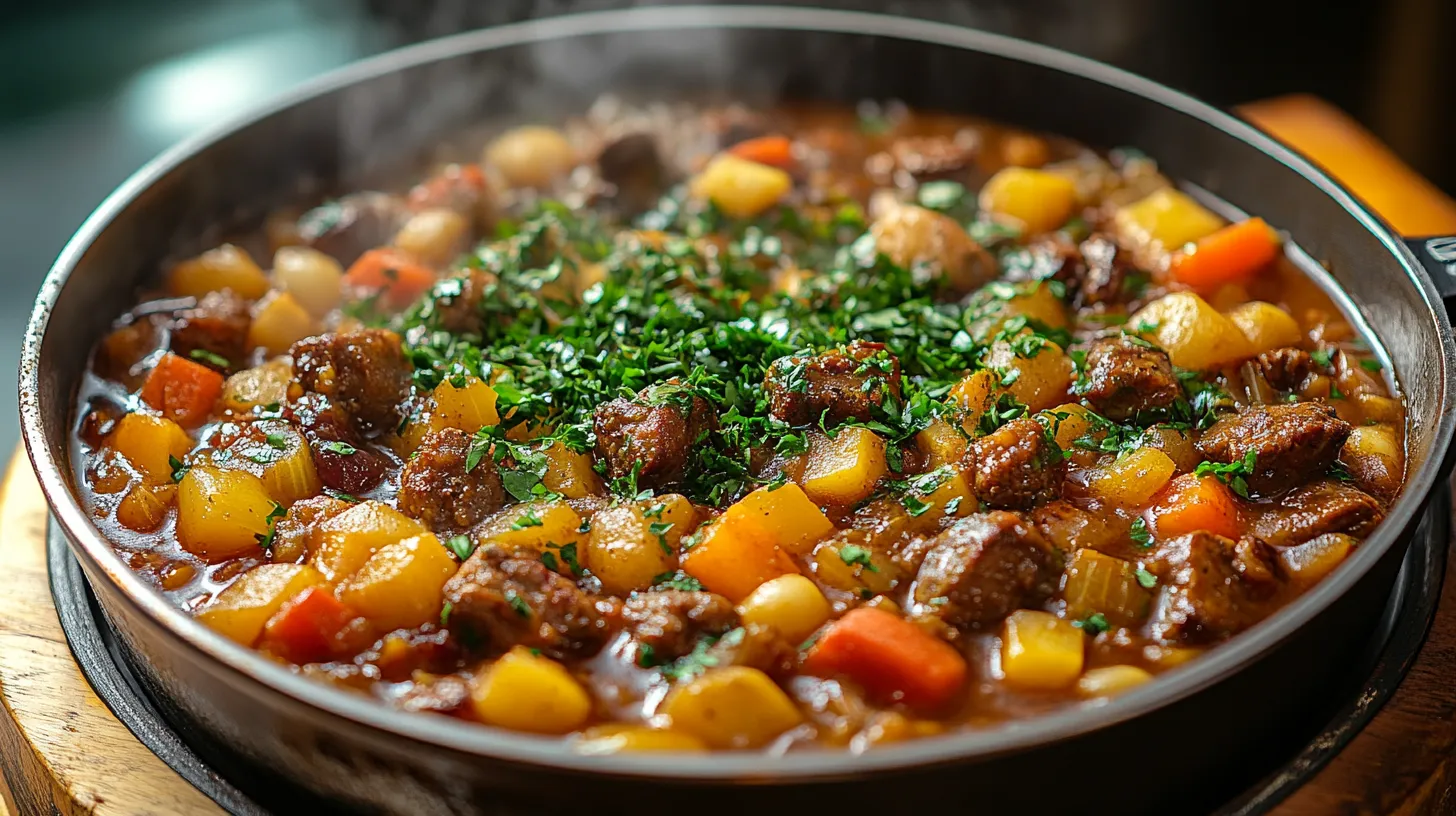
column 1193, row 728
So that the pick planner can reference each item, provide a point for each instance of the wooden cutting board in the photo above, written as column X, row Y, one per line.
column 62, row 751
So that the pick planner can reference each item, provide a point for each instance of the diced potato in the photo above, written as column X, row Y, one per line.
column 732, row 707
column 314, row 279
column 280, row 322
column 617, row 738
column 1373, row 455
column 1101, row 583
column 739, row 187
column 570, row 473
column 434, row 237
column 952, row 497
column 924, row 240
column 226, row 267
column 1040, row 650
column 221, row 514
column 266, row 384
column 1267, row 326
column 851, row 567
column 973, row 395
column 1166, row 219
column 1314, row 559
column 942, row 443
column 1380, row 409
column 1068, row 422
column 145, row 506
column 1109, row 681
column 785, row 515
column 1168, row 657
column 733, row 560
column 1036, row 371
column 1132, row 479
column 1034, row 200
column 844, row 468
column 1069, row 527
column 531, row 526
column 790, row 603
column 1193, row 333
column 531, row 156
column 402, row 585
column 1228, row 297
column 240, row 611
column 348, row 540
column 527, row 692
column 149, row 443
column 1372, row 440
column 469, row 408
column 1176, row 443
column 622, row 550
column 998, row 302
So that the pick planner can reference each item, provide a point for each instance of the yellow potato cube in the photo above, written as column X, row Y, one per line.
column 531, row 526
column 732, row 707
column 526, row 692
column 790, row 603
column 1314, row 559
column 1166, row 219
column 733, row 560
column 850, row 565
column 1101, row 583
column 1040, row 651
column 1035, row 200
column 1266, row 326
column 1132, row 479
column 266, row 384
column 1193, row 333
column 1032, row 369
column 952, row 497
column 226, row 267
column 1068, row 422
column 570, row 473
column 313, row 279
column 348, row 540
column 531, row 156
column 625, row 554
column 844, row 468
column 149, row 443
column 973, row 395
column 469, row 407
column 1109, row 681
column 999, row 301
column 739, row 187
column 434, row 236
column 222, row 514
column 616, row 738
column 402, row 585
column 145, row 506
column 280, row 322
column 240, row 611
column 942, row 443
column 784, row 514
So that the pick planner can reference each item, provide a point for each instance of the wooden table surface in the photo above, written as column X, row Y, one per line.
column 62, row 752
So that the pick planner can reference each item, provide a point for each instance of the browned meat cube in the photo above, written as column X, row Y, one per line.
column 1292, row 443
column 502, row 601
column 342, row 460
column 364, row 373
column 1323, row 507
column 1016, row 466
column 1126, row 378
column 927, row 158
column 1051, row 257
column 216, row 327
column 1107, row 276
column 436, row 488
column 659, row 429
column 1287, row 369
column 847, row 382
column 632, row 165
column 352, row 225
column 119, row 354
column 983, row 568
column 668, row 624
column 456, row 305
column 1215, row 587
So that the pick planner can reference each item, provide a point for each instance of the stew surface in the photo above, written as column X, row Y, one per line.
column 685, row 429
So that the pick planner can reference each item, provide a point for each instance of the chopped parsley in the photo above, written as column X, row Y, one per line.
column 528, row 518
column 677, row 580
column 341, row 448
column 1139, row 533
column 1321, row 357
column 265, row 540
column 461, row 545
column 854, row 554
column 179, row 468
column 518, row 603
column 277, row 441
column 1371, row 364
column 445, row 613
column 1231, row 473
column 341, row 495
column 1094, row 624
column 1145, row 579
column 212, row 358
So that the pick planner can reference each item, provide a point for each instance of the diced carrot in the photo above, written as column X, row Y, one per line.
column 1227, row 256
column 774, row 151
column 305, row 629
column 182, row 390
column 390, row 270
column 447, row 187
column 1190, row 503
column 891, row 657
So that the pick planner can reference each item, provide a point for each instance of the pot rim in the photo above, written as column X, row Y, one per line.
column 510, row 747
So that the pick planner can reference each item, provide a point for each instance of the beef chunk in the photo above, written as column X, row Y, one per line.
column 670, row 623
column 503, row 601
column 1050, row 257
column 1292, row 443
column 364, row 373
column 1127, row 378
column 658, row 428
column 633, row 166
column 1326, row 506
column 119, row 353
column 456, row 307
column 1108, row 276
column 218, row 325
column 1215, row 587
column 757, row 647
column 458, row 187
column 342, row 459
column 1287, row 369
column 927, row 158
column 1016, row 466
column 847, row 382
column 352, row 225
column 436, row 488
column 983, row 568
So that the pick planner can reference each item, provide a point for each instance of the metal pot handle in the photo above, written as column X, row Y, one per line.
column 1438, row 256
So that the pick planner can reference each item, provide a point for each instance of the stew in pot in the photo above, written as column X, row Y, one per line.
column 685, row 429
